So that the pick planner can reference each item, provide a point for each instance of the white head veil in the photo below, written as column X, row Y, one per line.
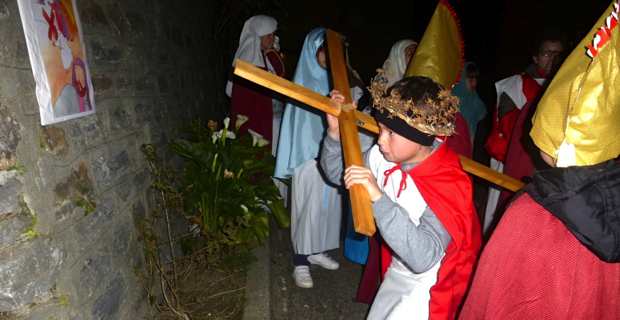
column 250, row 43
column 396, row 65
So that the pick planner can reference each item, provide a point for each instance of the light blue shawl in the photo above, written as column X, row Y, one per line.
column 471, row 106
column 302, row 127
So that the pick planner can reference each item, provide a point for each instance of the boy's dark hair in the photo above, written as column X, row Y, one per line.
column 417, row 108
column 417, row 88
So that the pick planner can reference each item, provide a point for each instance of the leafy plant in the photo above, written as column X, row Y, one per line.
column 226, row 186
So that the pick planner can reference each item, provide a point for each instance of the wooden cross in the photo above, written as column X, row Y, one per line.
column 350, row 119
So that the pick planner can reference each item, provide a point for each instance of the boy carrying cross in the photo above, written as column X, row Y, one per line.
column 422, row 199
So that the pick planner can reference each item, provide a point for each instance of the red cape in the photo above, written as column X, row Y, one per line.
column 447, row 190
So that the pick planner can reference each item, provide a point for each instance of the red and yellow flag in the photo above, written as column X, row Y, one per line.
column 439, row 54
column 577, row 121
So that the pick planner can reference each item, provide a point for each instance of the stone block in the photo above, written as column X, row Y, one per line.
column 15, row 82
column 12, row 228
column 121, row 238
column 137, row 23
column 53, row 140
column 125, row 83
column 91, row 14
column 28, row 273
column 162, row 82
column 143, row 111
column 120, row 162
column 92, row 275
column 138, row 211
column 111, row 165
column 10, row 189
column 101, row 170
column 108, row 304
column 145, row 84
column 27, row 104
column 55, row 311
column 102, row 83
column 67, row 212
column 104, row 51
column 93, row 130
column 78, row 185
column 10, row 133
column 96, row 222
column 118, row 19
column 4, row 11
column 121, row 118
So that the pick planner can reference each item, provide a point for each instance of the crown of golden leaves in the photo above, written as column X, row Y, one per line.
column 433, row 116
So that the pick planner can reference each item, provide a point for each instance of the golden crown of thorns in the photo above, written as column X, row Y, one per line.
column 433, row 116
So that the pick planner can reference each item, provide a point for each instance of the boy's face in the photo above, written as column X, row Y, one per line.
column 398, row 149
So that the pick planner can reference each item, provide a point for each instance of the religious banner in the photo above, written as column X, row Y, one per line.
column 58, row 58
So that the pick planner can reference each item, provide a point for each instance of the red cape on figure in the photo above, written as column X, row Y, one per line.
column 447, row 190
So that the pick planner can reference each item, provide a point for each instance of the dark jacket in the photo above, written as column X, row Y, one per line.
column 587, row 200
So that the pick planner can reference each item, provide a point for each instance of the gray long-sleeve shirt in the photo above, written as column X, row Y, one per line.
column 421, row 246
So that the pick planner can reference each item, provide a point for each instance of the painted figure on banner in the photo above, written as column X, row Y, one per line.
column 57, row 54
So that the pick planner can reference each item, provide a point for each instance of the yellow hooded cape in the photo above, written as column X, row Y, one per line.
column 577, row 121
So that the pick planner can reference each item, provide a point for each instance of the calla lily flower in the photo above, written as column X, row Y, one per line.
column 241, row 119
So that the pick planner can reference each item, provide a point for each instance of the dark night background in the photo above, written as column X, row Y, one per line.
column 498, row 35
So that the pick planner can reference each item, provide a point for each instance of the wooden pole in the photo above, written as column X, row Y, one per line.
column 360, row 200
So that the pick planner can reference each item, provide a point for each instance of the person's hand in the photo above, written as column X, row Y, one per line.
column 333, row 127
column 362, row 175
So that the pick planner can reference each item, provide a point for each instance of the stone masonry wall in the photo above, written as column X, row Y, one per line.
column 71, row 194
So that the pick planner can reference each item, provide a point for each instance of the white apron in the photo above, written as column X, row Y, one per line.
column 315, row 211
column 403, row 294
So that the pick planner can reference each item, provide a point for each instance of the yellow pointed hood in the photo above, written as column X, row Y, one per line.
column 577, row 121
column 439, row 54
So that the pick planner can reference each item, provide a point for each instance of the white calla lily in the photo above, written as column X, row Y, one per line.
column 255, row 137
column 262, row 142
column 241, row 119
column 218, row 135
column 226, row 122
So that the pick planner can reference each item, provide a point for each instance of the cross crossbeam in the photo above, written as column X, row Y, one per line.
column 350, row 119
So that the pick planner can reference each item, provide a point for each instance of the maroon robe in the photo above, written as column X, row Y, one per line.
column 255, row 102
column 460, row 141
column 533, row 267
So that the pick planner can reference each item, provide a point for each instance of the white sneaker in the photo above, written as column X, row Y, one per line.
column 324, row 261
column 302, row 277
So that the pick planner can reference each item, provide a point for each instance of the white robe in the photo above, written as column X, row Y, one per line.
column 315, row 211
column 403, row 294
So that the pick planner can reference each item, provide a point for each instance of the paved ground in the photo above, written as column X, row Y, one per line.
column 333, row 292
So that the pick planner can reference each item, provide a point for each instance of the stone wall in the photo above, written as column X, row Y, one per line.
column 71, row 194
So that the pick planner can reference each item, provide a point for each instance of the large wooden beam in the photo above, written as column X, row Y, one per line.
column 269, row 80
column 287, row 88
column 361, row 207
